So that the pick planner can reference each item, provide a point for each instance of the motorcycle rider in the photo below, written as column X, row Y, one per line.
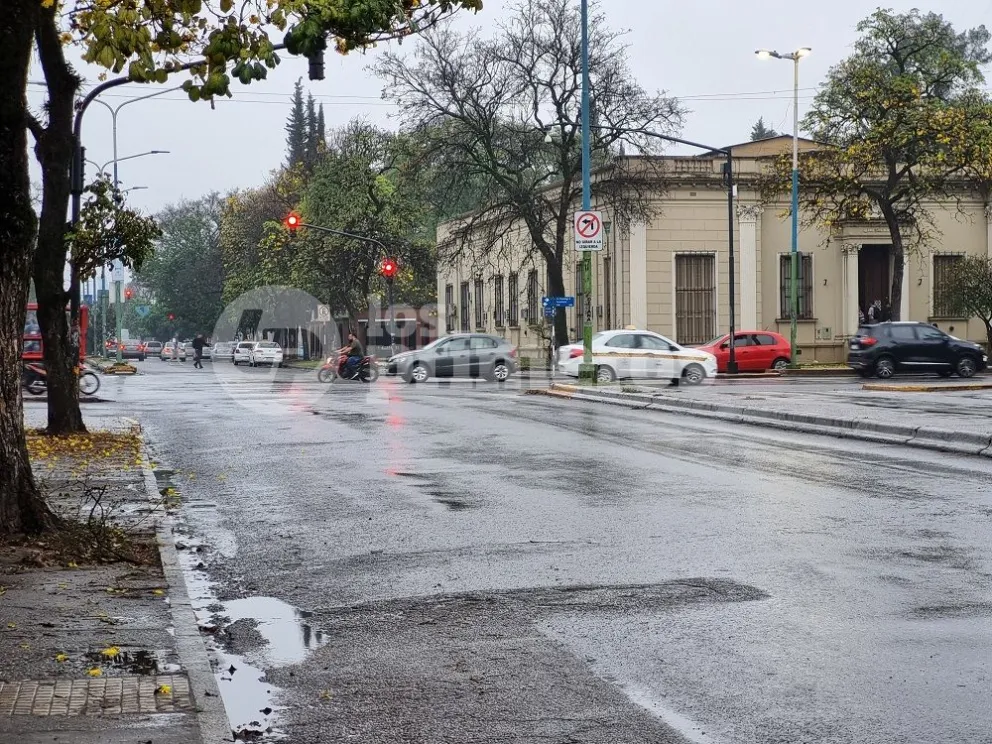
column 355, row 355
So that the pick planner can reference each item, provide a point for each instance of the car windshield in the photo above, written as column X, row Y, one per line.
column 268, row 345
column 715, row 341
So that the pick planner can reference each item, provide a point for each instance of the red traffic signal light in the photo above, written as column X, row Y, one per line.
column 292, row 221
column 389, row 267
column 172, row 316
column 128, row 293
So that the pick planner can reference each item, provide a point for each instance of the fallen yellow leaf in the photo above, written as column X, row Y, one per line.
column 95, row 672
column 111, row 652
column 163, row 690
column 61, row 658
column 11, row 625
column 158, row 592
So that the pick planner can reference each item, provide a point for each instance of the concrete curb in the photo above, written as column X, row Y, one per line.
column 877, row 387
column 932, row 438
column 210, row 713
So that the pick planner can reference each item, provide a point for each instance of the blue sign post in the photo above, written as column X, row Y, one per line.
column 556, row 302
column 143, row 310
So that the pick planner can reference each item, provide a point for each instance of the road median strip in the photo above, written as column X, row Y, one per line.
column 896, row 388
column 933, row 438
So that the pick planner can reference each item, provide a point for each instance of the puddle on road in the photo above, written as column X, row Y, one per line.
column 690, row 730
column 288, row 638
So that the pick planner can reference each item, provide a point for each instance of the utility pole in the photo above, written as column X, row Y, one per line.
column 586, row 370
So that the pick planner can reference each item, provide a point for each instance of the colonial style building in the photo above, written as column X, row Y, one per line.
column 672, row 275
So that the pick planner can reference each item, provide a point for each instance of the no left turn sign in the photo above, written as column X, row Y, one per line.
column 588, row 228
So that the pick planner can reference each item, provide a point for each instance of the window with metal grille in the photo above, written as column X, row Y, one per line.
column 513, row 300
column 695, row 297
column 943, row 287
column 480, row 309
column 533, row 296
column 805, row 297
column 498, row 320
column 463, row 310
column 449, row 307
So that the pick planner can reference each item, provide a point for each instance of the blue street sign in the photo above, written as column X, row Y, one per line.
column 558, row 302
column 88, row 299
column 549, row 311
column 143, row 310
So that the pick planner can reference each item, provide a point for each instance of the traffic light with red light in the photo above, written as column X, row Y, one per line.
column 389, row 268
column 128, row 293
column 292, row 221
column 172, row 317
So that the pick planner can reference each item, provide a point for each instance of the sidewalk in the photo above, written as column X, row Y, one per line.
column 94, row 648
column 949, row 421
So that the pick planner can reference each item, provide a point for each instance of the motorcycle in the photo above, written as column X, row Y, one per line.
column 333, row 368
column 34, row 379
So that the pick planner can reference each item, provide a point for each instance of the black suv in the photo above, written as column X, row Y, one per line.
column 886, row 348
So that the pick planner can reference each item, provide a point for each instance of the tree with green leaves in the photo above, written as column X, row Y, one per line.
column 969, row 289
column 150, row 40
column 905, row 124
column 296, row 128
column 505, row 111
column 185, row 276
column 759, row 131
column 362, row 187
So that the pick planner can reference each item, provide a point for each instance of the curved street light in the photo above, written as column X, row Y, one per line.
column 793, row 57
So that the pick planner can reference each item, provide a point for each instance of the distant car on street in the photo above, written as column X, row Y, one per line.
column 132, row 350
column 242, row 352
column 633, row 354
column 459, row 355
column 882, row 349
column 153, row 348
column 265, row 352
column 754, row 351
column 168, row 354
column 222, row 351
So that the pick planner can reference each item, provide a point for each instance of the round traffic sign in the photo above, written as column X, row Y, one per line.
column 588, row 225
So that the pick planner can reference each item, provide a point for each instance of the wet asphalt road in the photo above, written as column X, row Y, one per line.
column 475, row 565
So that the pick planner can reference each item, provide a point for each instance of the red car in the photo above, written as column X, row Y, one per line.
column 756, row 351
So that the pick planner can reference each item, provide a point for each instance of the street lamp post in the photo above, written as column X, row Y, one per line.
column 793, row 57
column 117, row 195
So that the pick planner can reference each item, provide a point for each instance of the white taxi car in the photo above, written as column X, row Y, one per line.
column 265, row 352
column 633, row 354
column 241, row 353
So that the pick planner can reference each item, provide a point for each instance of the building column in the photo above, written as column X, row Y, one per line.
column 988, row 229
column 851, row 317
column 747, row 220
column 639, row 275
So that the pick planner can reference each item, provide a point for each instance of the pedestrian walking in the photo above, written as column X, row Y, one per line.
column 175, row 349
column 198, row 344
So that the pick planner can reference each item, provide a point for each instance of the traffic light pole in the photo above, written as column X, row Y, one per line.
column 365, row 239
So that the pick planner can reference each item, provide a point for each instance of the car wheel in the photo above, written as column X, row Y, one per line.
column 779, row 364
column 419, row 373
column 885, row 367
column 693, row 374
column 605, row 373
column 501, row 372
column 966, row 367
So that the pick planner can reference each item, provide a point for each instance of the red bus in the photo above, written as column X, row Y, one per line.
column 32, row 350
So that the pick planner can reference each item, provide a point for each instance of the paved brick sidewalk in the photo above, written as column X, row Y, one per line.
column 88, row 653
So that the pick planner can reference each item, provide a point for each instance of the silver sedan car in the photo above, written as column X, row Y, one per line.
column 461, row 355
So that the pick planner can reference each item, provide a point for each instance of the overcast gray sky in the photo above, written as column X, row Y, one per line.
column 701, row 51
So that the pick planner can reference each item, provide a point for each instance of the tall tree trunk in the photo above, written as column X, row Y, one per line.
column 556, row 288
column 21, row 507
column 54, row 149
column 898, row 259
